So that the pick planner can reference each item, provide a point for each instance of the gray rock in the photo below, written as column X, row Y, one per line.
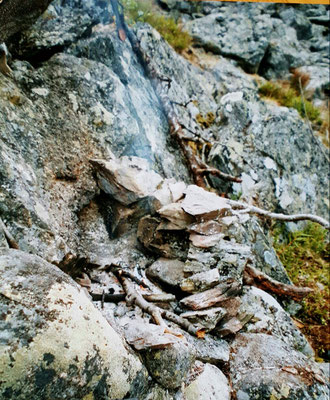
column 168, row 272
column 207, row 318
column 211, row 384
column 269, row 317
column 54, row 343
column 200, row 282
column 229, row 34
column 170, row 366
column 210, row 350
column 264, row 366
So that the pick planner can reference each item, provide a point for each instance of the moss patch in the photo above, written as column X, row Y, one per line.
column 142, row 11
column 205, row 121
column 305, row 255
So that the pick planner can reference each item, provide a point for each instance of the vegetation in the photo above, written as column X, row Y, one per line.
column 141, row 11
column 305, row 255
column 289, row 96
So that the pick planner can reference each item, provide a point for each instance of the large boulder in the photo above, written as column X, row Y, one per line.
column 54, row 343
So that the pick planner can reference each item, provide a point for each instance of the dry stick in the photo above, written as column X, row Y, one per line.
column 246, row 208
column 10, row 239
column 197, row 167
column 309, row 123
column 157, row 314
column 254, row 277
column 116, row 268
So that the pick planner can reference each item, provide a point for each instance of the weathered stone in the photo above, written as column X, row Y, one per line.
column 210, row 384
column 168, row 272
column 171, row 365
column 210, row 350
column 170, row 244
column 54, row 343
column 263, row 366
column 207, row 318
column 200, row 203
column 201, row 281
column 269, row 317
column 212, row 297
column 127, row 179
column 176, row 216
column 144, row 336
column 205, row 241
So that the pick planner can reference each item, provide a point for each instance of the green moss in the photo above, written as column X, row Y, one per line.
column 141, row 11
column 289, row 97
column 305, row 255
column 207, row 121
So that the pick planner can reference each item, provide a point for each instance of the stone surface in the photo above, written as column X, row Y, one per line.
column 170, row 366
column 54, row 343
column 211, row 384
column 265, row 367
column 269, row 317
column 167, row 272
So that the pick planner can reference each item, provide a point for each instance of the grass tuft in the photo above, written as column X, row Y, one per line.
column 289, row 97
column 142, row 11
column 305, row 255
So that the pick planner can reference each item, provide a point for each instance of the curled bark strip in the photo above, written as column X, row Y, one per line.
column 157, row 313
column 246, row 208
column 197, row 167
column 10, row 239
column 254, row 277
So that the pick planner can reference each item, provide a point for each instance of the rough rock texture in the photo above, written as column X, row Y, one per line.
column 263, row 366
column 54, row 343
column 77, row 94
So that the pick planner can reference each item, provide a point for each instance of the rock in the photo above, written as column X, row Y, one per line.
column 201, row 281
column 265, row 367
column 127, row 179
column 19, row 15
column 269, row 317
column 319, row 81
column 54, row 343
column 205, row 242
column 210, row 384
column 178, row 219
column 169, row 244
column 167, row 272
column 207, row 318
column 231, row 35
column 210, row 350
column 144, row 336
column 202, row 204
column 212, row 297
column 171, row 365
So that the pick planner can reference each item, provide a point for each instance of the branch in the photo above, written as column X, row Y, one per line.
column 196, row 166
column 254, row 277
column 246, row 208
column 157, row 314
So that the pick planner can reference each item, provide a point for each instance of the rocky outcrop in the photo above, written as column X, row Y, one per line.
column 54, row 342
column 90, row 175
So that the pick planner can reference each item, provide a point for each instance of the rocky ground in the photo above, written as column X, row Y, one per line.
column 94, row 186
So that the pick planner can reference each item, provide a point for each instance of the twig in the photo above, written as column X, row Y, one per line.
column 116, row 268
column 254, row 277
column 10, row 239
column 157, row 314
column 308, row 121
column 246, row 208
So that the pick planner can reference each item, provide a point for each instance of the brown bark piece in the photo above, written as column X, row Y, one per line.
column 254, row 277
